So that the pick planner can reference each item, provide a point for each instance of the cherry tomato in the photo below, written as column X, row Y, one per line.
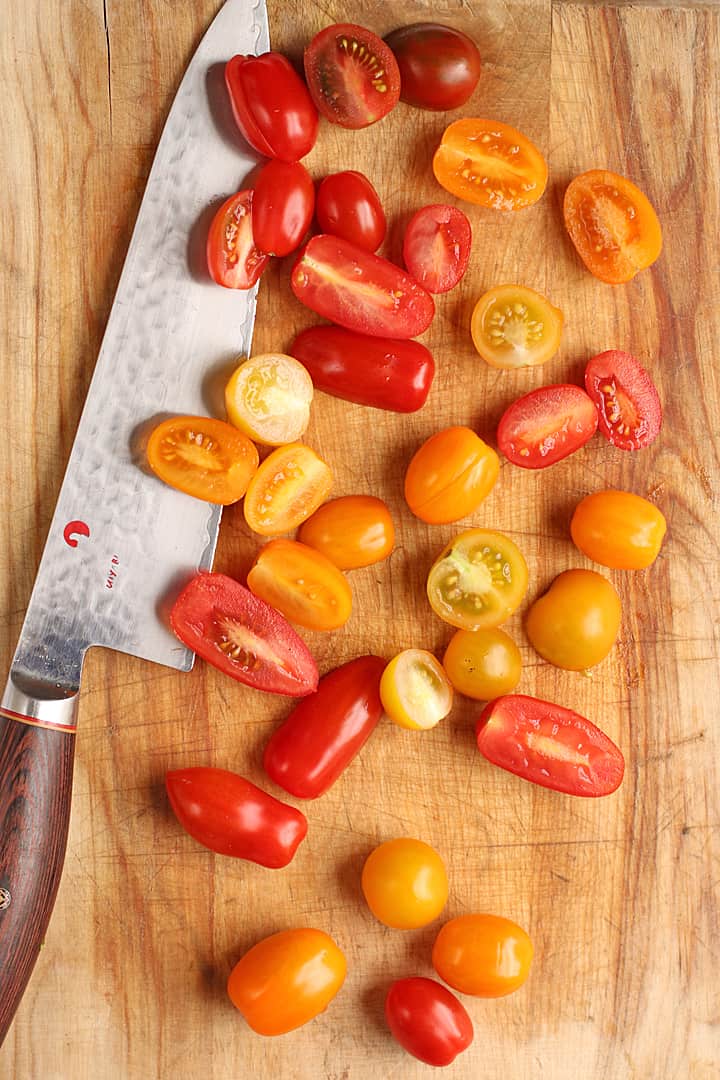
column 415, row 691
column 630, row 413
column 405, row 883
column 375, row 371
column 352, row 531
column 317, row 742
column 549, row 745
column 349, row 206
column 613, row 226
column 272, row 106
column 206, row 458
column 450, row 475
column 231, row 816
column 483, row 955
column 427, row 1020
column 618, row 529
column 482, row 664
column 302, row 584
column 233, row 258
column 286, row 980
column 575, row 623
column 282, row 207
column 352, row 75
column 436, row 247
column 439, row 66
column 489, row 163
column 477, row 580
column 288, row 487
column 243, row 636
column 546, row 425
column 268, row 397
column 513, row 327
column 360, row 291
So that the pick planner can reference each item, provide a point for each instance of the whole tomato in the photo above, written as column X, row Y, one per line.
column 575, row 623
column 618, row 529
column 427, row 1020
column 282, row 207
column 349, row 206
column 482, row 955
column 405, row 883
column 439, row 66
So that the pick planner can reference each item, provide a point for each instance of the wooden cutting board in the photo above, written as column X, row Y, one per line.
column 620, row 895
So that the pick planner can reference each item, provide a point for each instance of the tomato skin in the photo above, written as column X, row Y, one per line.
column 483, row 955
column 234, row 260
column 618, row 529
column 575, row 623
column 436, row 247
column 271, row 105
column 202, row 457
column 287, row 488
column 352, row 75
column 348, row 206
column 415, row 691
column 287, row 979
column 439, row 66
column 491, row 164
column 488, row 571
column 360, row 291
column 514, row 327
column 628, row 404
column 482, row 664
column 405, row 883
column 427, row 1020
column 282, row 207
column 242, row 636
column 302, row 584
column 352, row 531
column 549, row 745
column 227, row 814
column 317, row 742
column 380, row 372
column 546, row 425
column 450, row 475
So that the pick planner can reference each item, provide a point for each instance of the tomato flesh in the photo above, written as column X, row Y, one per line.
column 489, row 163
column 427, row 1020
column 415, row 691
column 282, row 207
column 268, row 397
column 628, row 404
column 405, row 883
column 271, row 105
column 302, row 584
column 450, row 476
column 436, row 247
column 439, row 65
column 352, row 531
column 574, row 625
column 202, row 457
column 233, row 258
column 478, row 580
column 513, row 327
column 349, row 206
column 618, row 529
column 483, row 955
column 287, row 488
column 352, row 75
column 546, row 425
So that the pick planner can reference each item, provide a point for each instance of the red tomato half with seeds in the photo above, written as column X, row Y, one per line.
column 428, row 1020
column 282, row 207
column 349, row 206
column 546, row 425
column 242, row 636
column 436, row 248
column 549, row 745
column 271, row 105
column 628, row 404
column 352, row 75
column 233, row 257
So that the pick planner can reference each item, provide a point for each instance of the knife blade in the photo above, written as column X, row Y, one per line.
column 119, row 539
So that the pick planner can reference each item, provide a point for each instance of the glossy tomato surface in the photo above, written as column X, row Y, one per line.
column 287, row 488
column 282, row 207
column 352, row 75
column 302, row 584
column 206, row 458
column 628, row 404
column 268, row 397
column 483, row 955
column 233, row 258
column 478, row 580
column 549, row 745
column 482, row 664
column 381, row 372
column 450, row 475
column 352, row 531
column 489, row 163
column 243, row 636
column 427, row 1020
column 618, row 529
column 229, row 815
column 436, row 247
column 349, row 206
column 439, row 66
column 546, row 425
column 513, row 327
column 405, row 883
column 317, row 742
column 360, row 291
column 574, row 624
column 271, row 105
column 287, row 979
column 415, row 691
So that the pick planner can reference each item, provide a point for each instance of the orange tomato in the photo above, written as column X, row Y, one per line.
column 287, row 488
column 202, row 457
column 415, row 691
column 478, row 580
column 513, row 326
column 483, row 955
column 286, row 979
column 613, row 226
column 450, row 475
column 405, row 883
column 575, row 624
column 482, row 664
column 618, row 529
column 301, row 584
column 352, row 531
column 491, row 164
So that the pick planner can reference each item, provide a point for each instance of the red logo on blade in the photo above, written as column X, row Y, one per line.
column 74, row 529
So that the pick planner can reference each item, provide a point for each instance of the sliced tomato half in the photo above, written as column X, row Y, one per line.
column 546, row 425
column 436, row 248
column 627, row 401
column 352, row 75
column 233, row 258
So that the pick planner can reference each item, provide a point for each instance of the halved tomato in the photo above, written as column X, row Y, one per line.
column 436, row 247
column 478, row 580
column 206, row 458
column 287, row 488
column 352, row 531
column 513, row 326
column 243, row 636
column 282, row 206
column 348, row 205
column 271, row 105
column 352, row 75
column 415, row 691
column 269, row 397
column 233, row 258
column 491, row 164
column 450, row 475
column 546, row 425
column 628, row 404
column 302, row 584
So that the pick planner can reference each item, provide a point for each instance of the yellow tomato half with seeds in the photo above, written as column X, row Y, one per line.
column 415, row 690
column 268, row 398
column 287, row 488
column 478, row 580
column 513, row 327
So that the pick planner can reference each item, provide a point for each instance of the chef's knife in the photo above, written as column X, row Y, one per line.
column 120, row 540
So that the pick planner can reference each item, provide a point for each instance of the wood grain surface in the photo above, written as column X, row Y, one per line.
column 620, row 895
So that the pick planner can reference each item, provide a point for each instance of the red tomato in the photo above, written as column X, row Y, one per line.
column 550, row 745
column 348, row 206
column 320, row 737
column 360, row 291
column 228, row 814
column 272, row 106
column 242, row 636
column 376, row 371
column 627, row 401
column 352, row 75
column 427, row 1020
column 232, row 256
column 436, row 248
column 439, row 66
column 546, row 425
column 282, row 206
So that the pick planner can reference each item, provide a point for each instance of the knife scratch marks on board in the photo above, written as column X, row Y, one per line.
column 109, row 63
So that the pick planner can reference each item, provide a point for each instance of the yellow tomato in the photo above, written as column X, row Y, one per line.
column 415, row 690
column 268, row 398
column 575, row 624
column 405, row 883
column 483, row 664
column 477, row 580
column 513, row 326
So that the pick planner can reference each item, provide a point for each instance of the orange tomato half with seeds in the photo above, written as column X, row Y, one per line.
column 489, row 163
column 287, row 488
column 206, row 458
column 301, row 584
